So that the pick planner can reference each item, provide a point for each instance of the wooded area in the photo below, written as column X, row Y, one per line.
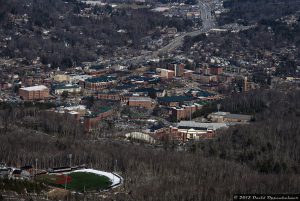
column 73, row 37
column 261, row 157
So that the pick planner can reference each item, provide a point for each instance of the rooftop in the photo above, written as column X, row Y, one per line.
column 239, row 116
column 101, row 79
column 67, row 86
column 197, row 125
column 35, row 88
column 98, row 67
column 148, row 90
column 139, row 98
column 175, row 99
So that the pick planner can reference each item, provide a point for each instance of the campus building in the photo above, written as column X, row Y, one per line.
column 140, row 101
column 34, row 93
column 99, row 83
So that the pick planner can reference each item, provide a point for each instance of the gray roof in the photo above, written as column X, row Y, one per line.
column 197, row 125
column 239, row 116
column 139, row 98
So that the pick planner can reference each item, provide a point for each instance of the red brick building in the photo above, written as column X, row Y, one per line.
column 34, row 93
column 216, row 70
column 183, row 112
column 140, row 101
column 91, row 122
column 99, row 83
column 188, row 74
column 168, row 74
column 5, row 85
column 109, row 96
column 177, row 67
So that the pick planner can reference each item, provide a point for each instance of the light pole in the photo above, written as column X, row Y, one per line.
column 65, row 182
column 70, row 158
column 36, row 163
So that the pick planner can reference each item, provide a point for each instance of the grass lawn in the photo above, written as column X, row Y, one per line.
column 77, row 181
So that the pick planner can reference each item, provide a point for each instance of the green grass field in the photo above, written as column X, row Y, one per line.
column 78, row 181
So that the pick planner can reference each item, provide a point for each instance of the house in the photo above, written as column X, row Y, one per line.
column 34, row 93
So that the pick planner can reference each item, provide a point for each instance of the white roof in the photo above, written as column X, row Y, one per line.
column 161, row 9
column 195, row 125
column 35, row 88
column 77, row 107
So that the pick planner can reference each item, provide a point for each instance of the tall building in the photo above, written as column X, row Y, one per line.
column 177, row 67
column 246, row 84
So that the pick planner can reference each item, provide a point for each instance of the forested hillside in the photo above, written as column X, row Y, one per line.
column 62, row 34
column 271, row 39
column 252, row 11
column 263, row 154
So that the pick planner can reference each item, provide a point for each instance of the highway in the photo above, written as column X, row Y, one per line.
column 208, row 22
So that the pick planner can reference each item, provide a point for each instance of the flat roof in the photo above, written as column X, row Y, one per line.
column 175, row 98
column 101, row 79
column 197, row 125
column 139, row 98
column 239, row 116
column 35, row 88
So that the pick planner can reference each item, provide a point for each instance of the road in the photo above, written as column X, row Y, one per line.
column 208, row 22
